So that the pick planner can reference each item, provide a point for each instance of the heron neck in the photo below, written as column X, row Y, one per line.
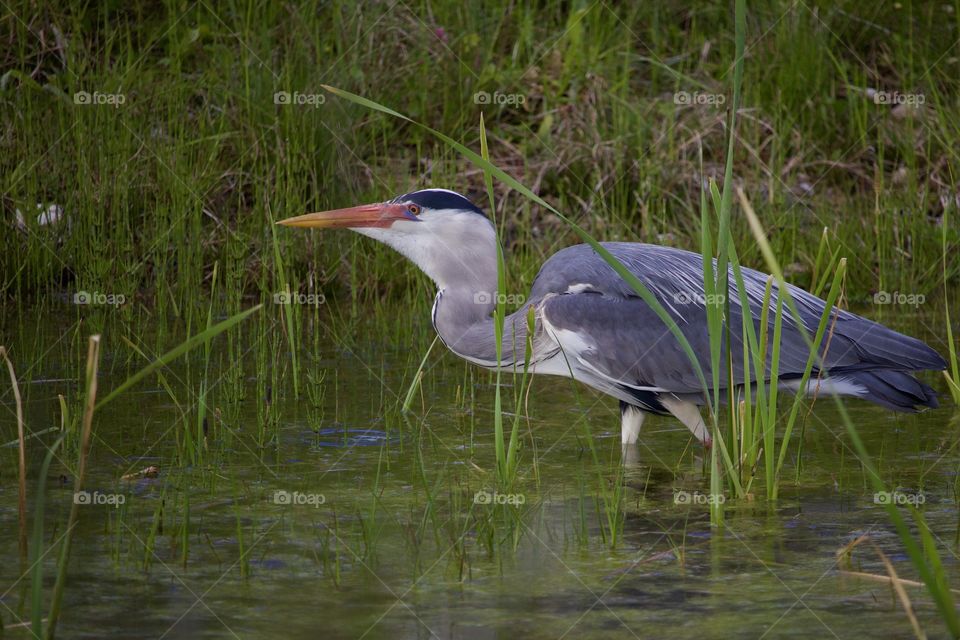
column 463, row 319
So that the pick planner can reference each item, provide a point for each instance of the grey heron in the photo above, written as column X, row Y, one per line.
column 592, row 326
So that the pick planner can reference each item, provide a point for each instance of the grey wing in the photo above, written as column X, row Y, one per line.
column 609, row 333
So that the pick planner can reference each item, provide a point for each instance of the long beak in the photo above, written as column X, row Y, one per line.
column 368, row 215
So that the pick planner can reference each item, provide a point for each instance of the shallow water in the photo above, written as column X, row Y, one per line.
column 361, row 523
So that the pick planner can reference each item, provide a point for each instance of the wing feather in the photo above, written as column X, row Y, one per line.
column 601, row 323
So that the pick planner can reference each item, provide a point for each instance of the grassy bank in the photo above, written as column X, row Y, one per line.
column 157, row 130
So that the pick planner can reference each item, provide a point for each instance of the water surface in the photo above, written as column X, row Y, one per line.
column 348, row 520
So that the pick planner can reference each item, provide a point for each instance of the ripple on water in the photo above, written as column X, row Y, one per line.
column 339, row 438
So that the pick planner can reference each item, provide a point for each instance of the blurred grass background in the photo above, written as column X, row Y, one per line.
column 602, row 108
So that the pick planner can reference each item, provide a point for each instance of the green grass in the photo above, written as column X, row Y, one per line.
column 214, row 160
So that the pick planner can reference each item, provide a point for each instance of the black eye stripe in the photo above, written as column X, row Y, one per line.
column 435, row 199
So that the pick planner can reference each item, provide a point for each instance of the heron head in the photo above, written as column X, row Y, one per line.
column 441, row 231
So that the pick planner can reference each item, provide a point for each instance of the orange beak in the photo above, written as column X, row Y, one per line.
column 381, row 215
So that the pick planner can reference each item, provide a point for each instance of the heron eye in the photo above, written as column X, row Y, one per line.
column 414, row 209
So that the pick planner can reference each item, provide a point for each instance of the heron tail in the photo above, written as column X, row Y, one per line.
column 897, row 390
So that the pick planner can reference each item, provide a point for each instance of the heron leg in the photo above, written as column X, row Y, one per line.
column 689, row 414
column 631, row 419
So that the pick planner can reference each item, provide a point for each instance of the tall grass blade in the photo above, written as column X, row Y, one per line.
column 21, row 461
column 93, row 362
column 953, row 377
column 408, row 400
column 499, row 316
column 36, row 545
